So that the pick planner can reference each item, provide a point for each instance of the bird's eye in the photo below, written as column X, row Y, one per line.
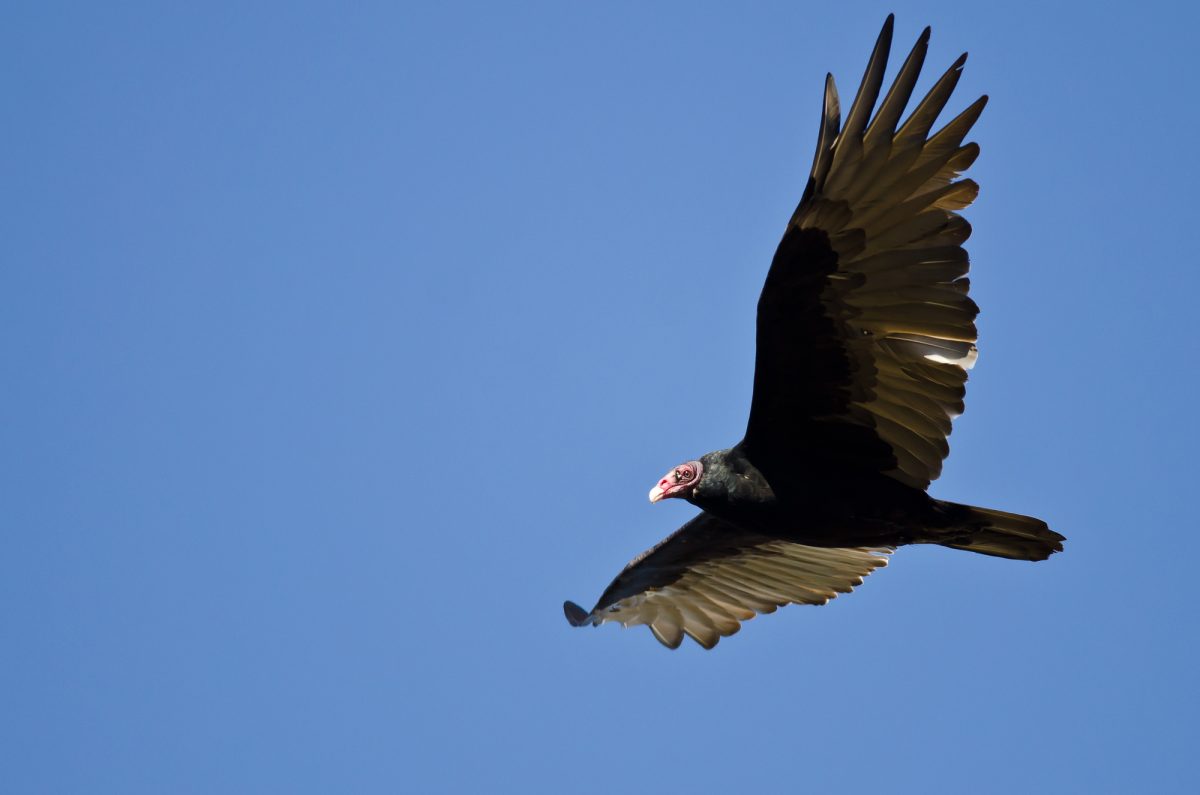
column 686, row 474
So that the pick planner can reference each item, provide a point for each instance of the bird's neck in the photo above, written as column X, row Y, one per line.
column 732, row 487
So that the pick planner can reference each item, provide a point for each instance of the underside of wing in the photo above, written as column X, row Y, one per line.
column 865, row 328
column 709, row 576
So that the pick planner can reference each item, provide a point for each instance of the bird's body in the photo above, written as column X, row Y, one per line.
column 865, row 333
column 849, row 511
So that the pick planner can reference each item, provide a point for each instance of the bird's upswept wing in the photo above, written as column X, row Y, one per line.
column 865, row 329
column 709, row 576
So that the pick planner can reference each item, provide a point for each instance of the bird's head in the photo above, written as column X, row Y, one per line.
column 679, row 482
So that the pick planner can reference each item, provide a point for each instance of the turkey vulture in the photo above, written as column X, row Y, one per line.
column 865, row 334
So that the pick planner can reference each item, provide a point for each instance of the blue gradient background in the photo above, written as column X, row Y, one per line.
column 342, row 343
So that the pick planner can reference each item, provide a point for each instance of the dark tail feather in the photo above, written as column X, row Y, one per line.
column 1005, row 535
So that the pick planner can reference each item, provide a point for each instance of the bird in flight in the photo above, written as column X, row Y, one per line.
column 865, row 334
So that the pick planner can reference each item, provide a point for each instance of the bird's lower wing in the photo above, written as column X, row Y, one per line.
column 709, row 576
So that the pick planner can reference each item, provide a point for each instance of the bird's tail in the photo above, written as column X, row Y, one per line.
column 1005, row 535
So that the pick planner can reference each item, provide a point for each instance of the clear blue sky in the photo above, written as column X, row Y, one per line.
column 333, row 341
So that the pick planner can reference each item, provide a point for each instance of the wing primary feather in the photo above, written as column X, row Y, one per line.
column 921, row 121
column 848, row 151
column 883, row 218
column 668, row 626
column 719, row 615
column 740, row 593
column 884, row 124
column 945, row 142
column 769, row 586
column 877, row 140
column 872, row 81
column 831, row 120
column 734, row 611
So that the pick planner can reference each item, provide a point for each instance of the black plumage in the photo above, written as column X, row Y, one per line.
column 865, row 335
